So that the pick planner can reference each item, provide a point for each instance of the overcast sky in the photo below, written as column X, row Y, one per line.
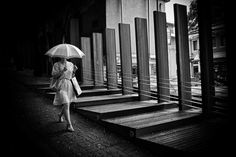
column 170, row 9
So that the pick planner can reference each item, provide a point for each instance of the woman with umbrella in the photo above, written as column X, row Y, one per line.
column 63, row 71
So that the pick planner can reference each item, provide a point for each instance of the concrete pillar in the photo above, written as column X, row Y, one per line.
column 183, row 59
column 87, row 69
column 126, row 59
column 75, row 40
column 162, row 65
column 110, row 43
column 98, row 59
column 206, row 57
column 142, row 58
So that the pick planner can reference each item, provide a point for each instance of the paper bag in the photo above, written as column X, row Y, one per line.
column 76, row 86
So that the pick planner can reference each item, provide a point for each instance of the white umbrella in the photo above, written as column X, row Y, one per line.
column 65, row 51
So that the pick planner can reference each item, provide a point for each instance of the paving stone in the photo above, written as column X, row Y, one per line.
column 34, row 130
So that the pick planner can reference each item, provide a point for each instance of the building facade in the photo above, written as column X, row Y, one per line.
column 219, row 54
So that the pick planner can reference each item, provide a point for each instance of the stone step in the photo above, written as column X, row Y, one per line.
column 38, row 84
column 86, row 91
column 104, row 99
column 99, row 100
column 100, row 91
column 196, row 137
column 145, row 123
column 121, row 109
column 45, row 87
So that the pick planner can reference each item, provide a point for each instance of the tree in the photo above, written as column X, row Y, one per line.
column 193, row 16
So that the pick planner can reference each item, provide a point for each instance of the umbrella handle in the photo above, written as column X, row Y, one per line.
column 63, row 39
column 65, row 67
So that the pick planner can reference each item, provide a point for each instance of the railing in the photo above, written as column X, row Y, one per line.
column 220, row 92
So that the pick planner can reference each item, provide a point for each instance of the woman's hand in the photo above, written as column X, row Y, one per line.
column 56, row 76
column 75, row 68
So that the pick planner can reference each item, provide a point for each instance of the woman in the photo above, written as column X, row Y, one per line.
column 63, row 72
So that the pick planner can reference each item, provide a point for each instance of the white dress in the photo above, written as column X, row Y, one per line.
column 65, row 94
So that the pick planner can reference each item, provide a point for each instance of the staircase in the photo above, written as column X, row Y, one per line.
column 146, row 122
column 149, row 122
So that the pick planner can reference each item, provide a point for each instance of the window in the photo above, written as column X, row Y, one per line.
column 153, row 69
column 222, row 40
column 195, row 45
column 214, row 42
column 195, row 69
column 160, row 7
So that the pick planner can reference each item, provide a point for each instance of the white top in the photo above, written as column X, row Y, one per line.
column 65, row 94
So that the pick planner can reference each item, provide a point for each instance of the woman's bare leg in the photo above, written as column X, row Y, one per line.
column 66, row 112
column 61, row 119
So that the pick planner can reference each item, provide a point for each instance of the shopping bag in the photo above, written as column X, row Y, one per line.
column 76, row 86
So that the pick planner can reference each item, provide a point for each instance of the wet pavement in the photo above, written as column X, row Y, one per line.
column 31, row 127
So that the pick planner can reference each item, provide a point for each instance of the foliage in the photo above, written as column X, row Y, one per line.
column 193, row 16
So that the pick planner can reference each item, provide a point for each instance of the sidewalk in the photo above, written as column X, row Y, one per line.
column 32, row 129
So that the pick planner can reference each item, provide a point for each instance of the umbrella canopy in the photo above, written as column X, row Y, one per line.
column 65, row 51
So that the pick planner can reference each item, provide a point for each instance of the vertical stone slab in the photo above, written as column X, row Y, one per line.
column 206, row 56
column 75, row 40
column 126, row 59
column 110, row 45
column 162, row 66
column 74, row 32
column 98, row 59
column 87, row 70
column 142, row 58
column 182, row 53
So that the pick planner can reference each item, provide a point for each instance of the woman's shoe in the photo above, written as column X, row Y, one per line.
column 70, row 128
column 60, row 118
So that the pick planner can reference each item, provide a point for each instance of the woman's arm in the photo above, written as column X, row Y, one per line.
column 56, row 72
column 74, row 70
column 56, row 75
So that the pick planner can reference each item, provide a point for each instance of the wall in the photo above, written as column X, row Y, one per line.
column 124, row 11
column 92, row 19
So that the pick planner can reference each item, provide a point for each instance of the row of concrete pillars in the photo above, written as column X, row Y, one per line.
column 99, row 43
